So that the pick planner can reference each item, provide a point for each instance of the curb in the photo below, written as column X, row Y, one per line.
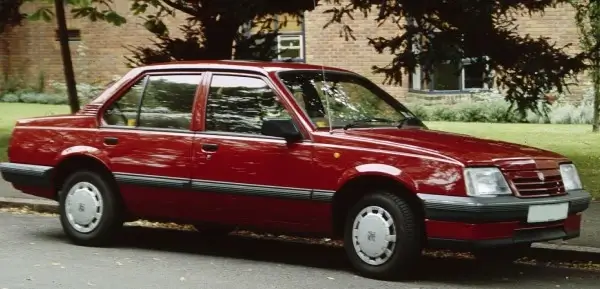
column 41, row 206
column 540, row 251
column 564, row 253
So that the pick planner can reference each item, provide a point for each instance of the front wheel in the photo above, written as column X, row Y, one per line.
column 90, row 212
column 382, row 237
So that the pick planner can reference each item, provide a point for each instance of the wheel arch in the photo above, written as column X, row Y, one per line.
column 77, row 161
column 353, row 189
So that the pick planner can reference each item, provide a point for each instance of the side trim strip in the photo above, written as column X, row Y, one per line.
column 254, row 190
column 225, row 187
column 26, row 174
column 322, row 195
column 25, row 169
column 170, row 183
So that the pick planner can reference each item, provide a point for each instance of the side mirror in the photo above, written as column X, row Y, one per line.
column 284, row 128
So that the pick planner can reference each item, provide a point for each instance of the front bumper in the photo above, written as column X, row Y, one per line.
column 487, row 222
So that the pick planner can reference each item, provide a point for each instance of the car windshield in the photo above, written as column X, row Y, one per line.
column 352, row 100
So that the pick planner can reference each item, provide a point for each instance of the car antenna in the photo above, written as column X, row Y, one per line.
column 324, row 88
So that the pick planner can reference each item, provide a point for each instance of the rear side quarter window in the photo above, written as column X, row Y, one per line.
column 156, row 101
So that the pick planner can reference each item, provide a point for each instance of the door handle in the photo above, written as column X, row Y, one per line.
column 209, row 147
column 109, row 140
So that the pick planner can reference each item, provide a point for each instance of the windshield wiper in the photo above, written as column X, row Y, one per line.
column 366, row 120
column 410, row 120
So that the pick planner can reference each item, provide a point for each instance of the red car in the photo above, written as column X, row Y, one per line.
column 290, row 148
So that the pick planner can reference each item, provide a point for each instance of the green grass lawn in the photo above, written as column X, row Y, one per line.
column 574, row 141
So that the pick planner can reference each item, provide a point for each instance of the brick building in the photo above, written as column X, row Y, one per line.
column 98, row 48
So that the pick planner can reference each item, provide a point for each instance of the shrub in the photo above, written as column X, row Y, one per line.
column 85, row 92
column 10, row 97
column 57, row 99
column 491, row 107
column 35, row 97
column 56, row 95
column 32, row 97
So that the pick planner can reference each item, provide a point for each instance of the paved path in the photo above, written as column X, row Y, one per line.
column 7, row 191
column 35, row 254
column 590, row 236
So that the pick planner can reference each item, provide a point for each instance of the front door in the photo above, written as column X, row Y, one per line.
column 146, row 133
column 266, row 180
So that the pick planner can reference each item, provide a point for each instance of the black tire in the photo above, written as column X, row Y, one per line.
column 501, row 256
column 408, row 246
column 111, row 220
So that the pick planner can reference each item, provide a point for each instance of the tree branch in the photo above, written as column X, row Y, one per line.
column 182, row 8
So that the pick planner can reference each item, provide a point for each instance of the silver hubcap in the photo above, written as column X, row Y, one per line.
column 84, row 207
column 374, row 235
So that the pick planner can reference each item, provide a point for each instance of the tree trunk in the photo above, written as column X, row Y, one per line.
column 596, row 103
column 219, row 36
column 5, row 60
column 66, row 55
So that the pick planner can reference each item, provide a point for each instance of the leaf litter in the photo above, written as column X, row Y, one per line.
column 588, row 266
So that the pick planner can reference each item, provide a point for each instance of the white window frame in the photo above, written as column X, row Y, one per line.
column 287, row 36
column 417, row 80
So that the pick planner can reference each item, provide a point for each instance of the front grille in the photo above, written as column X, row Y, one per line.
column 538, row 183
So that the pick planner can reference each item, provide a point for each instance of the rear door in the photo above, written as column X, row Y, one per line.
column 146, row 133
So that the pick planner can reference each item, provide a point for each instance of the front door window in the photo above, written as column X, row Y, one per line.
column 240, row 104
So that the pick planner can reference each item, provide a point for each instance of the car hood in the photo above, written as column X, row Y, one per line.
column 463, row 148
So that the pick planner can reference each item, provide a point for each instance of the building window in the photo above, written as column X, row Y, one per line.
column 290, row 47
column 469, row 75
column 289, row 44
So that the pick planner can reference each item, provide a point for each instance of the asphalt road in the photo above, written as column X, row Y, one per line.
column 35, row 254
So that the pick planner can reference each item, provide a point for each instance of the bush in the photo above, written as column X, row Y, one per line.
column 85, row 92
column 57, row 94
column 10, row 97
column 491, row 107
column 43, row 98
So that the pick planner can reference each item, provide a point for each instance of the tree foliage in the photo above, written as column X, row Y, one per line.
column 588, row 21
column 10, row 14
column 449, row 31
column 94, row 10
column 442, row 31
column 213, row 29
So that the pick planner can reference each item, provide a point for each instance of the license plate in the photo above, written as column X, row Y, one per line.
column 547, row 213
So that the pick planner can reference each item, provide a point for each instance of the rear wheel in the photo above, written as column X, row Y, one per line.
column 382, row 237
column 90, row 211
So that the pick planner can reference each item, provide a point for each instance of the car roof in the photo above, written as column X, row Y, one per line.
column 266, row 66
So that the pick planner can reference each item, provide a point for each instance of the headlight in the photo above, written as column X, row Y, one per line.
column 570, row 177
column 485, row 182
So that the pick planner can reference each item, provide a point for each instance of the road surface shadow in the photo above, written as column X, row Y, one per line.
column 433, row 269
